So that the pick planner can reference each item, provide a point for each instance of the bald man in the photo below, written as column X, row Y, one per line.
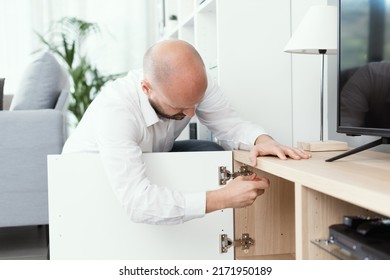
column 145, row 112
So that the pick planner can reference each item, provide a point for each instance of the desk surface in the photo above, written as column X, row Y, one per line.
column 362, row 179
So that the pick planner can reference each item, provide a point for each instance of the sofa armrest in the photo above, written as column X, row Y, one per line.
column 36, row 127
column 27, row 137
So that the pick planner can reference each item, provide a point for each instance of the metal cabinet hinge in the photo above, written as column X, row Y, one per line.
column 225, row 242
column 225, row 175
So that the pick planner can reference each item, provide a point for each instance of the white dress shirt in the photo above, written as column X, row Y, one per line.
column 120, row 124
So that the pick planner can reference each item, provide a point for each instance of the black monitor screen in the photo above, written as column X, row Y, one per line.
column 364, row 67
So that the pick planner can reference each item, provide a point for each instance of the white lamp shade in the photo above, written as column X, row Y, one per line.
column 317, row 31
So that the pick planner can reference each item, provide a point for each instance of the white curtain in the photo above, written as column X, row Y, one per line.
column 127, row 30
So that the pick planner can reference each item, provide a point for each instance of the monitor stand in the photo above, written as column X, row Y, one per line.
column 380, row 141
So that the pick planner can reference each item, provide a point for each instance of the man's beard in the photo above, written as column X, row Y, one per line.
column 158, row 110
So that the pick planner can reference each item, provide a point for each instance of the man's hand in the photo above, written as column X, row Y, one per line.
column 240, row 192
column 265, row 145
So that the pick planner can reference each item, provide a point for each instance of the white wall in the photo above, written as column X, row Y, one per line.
column 281, row 91
column 254, row 71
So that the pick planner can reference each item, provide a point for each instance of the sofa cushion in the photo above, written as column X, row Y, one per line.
column 41, row 84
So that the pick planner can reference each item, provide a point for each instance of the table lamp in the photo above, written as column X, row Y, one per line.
column 317, row 34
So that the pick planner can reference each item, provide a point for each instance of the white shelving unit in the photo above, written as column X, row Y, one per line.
column 196, row 23
column 237, row 42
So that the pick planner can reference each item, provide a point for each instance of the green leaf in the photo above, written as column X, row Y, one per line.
column 65, row 39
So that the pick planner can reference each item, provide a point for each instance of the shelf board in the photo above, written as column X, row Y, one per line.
column 171, row 33
column 207, row 6
column 333, row 249
column 188, row 22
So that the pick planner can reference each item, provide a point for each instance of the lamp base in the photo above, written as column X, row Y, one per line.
column 322, row 146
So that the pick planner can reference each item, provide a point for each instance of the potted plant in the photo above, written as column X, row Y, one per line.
column 65, row 39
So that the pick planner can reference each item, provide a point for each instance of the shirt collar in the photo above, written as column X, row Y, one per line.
column 150, row 116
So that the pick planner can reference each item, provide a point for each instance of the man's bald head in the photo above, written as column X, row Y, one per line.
column 173, row 61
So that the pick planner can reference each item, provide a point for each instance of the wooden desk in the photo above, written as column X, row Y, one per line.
column 306, row 197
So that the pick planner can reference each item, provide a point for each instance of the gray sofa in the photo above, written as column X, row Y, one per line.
column 33, row 127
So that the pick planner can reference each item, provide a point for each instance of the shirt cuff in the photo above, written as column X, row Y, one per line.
column 195, row 205
column 251, row 136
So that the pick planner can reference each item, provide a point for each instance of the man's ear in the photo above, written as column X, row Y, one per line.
column 145, row 87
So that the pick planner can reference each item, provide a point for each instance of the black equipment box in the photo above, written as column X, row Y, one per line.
column 362, row 246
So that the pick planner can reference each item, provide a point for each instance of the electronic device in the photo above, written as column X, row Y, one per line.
column 363, row 94
column 363, row 237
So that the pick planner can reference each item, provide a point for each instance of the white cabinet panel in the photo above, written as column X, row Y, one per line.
column 87, row 221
